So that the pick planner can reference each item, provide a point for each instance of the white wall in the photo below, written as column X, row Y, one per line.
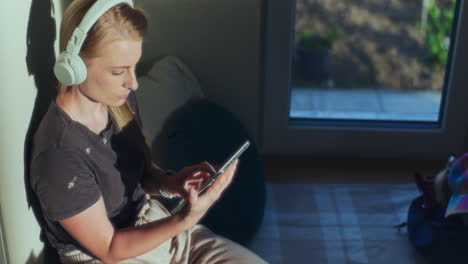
column 219, row 41
column 18, row 93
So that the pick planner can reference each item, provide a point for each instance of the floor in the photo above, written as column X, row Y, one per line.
column 365, row 103
column 317, row 209
column 336, row 224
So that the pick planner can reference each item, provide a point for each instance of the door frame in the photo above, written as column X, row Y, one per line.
column 281, row 136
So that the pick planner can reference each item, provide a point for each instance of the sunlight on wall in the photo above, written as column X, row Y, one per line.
column 18, row 94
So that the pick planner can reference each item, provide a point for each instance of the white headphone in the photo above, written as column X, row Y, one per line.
column 69, row 68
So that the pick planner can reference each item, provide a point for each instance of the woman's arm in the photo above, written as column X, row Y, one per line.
column 93, row 230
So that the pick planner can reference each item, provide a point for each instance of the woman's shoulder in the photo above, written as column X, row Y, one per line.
column 55, row 132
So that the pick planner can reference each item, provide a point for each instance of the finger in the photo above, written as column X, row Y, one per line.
column 199, row 171
column 234, row 164
column 220, row 184
column 197, row 179
column 187, row 185
column 193, row 196
column 231, row 169
column 206, row 176
column 206, row 165
column 199, row 185
column 225, row 179
column 193, row 175
column 196, row 173
column 199, row 175
column 196, row 185
column 200, row 179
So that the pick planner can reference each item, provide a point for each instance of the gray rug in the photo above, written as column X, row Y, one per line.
column 336, row 224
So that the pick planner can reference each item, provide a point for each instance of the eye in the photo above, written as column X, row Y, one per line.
column 118, row 73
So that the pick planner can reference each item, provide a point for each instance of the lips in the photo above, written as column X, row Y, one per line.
column 123, row 96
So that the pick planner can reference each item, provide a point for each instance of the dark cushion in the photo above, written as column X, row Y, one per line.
column 205, row 131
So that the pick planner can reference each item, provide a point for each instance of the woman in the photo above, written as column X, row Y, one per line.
column 91, row 171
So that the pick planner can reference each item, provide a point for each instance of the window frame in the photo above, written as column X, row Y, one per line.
column 282, row 136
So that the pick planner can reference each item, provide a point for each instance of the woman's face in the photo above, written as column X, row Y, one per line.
column 111, row 74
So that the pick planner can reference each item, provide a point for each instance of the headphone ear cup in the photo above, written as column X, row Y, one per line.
column 79, row 69
column 63, row 70
column 70, row 69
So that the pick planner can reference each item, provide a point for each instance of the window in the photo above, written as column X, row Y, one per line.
column 360, row 77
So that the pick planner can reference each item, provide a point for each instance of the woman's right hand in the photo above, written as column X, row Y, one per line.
column 197, row 206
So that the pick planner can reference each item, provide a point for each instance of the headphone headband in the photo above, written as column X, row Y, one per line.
column 93, row 14
column 69, row 68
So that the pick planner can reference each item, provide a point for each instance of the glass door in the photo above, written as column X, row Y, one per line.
column 364, row 77
column 370, row 60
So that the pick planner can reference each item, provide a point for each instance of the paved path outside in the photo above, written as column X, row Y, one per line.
column 367, row 104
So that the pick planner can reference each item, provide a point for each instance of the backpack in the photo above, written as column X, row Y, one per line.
column 436, row 238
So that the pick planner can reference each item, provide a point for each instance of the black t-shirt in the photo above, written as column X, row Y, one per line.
column 72, row 167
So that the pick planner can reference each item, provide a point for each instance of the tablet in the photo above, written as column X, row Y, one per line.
column 221, row 170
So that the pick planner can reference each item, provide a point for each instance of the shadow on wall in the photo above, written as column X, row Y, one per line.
column 40, row 59
column 33, row 259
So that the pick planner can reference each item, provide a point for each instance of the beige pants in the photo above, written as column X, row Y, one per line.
column 196, row 245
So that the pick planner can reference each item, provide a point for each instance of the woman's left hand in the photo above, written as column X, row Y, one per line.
column 194, row 176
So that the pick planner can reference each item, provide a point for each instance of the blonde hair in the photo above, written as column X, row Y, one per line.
column 121, row 22
column 118, row 23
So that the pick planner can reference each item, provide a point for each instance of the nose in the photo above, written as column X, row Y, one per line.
column 131, row 82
